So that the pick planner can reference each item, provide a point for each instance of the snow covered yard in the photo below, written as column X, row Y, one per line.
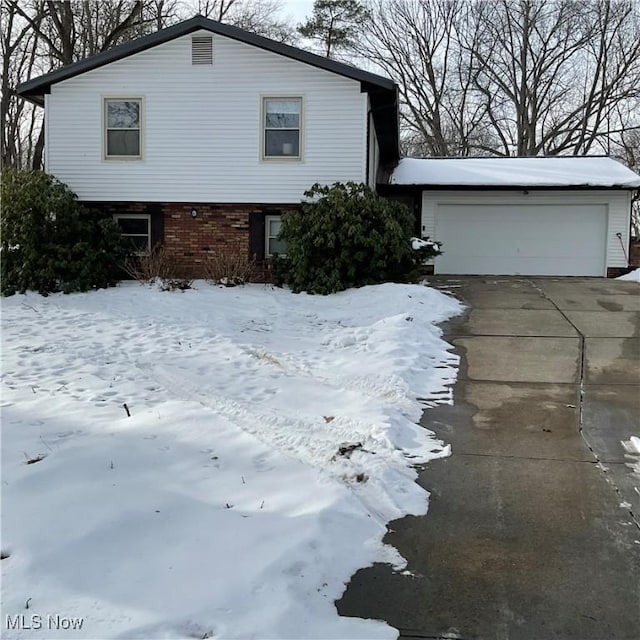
column 271, row 437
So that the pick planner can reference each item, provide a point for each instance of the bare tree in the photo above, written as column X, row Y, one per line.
column 509, row 77
column 551, row 72
column 41, row 35
column 215, row 9
column 18, row 45
column 415, row 42
column 257, row 16
column 56, row 34
column 261, row 17
column 611, row 94
column 74, row 30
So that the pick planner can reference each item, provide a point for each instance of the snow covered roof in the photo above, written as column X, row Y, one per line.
column 516, row 172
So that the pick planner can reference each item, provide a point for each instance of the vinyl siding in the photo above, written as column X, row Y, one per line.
column 202, row 129
column 618, row 204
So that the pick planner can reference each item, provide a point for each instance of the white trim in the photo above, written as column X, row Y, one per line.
column 103, row 106
column 263, row 128
column 137, row 216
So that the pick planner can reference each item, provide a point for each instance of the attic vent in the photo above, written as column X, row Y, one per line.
column 202, row 50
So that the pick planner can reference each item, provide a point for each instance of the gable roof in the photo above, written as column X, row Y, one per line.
column 382, row 91
column 511, row 173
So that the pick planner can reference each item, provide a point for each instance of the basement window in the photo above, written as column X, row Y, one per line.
column 136, row 228
column 273, row 245
column 201, row 50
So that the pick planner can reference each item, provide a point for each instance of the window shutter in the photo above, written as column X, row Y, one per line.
column 201, row 50
column 256, row 236
column 157, row 223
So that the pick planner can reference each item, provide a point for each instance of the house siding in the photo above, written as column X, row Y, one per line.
column 618, row 205
column 201, row 127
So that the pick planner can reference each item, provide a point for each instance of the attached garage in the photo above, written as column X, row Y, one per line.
column 535, row 235
column 523, row 216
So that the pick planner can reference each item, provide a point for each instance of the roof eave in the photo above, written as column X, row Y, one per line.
column 511, row 187
column 41, row 85
column 384, row 108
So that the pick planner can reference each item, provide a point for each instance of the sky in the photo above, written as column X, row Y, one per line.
column 298, row 10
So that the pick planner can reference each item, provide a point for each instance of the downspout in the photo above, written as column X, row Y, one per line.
column 367, row 149
column 635, row 198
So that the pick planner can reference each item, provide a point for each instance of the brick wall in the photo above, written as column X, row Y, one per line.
column 216, row 228
column 190, row 240
column 634, row 253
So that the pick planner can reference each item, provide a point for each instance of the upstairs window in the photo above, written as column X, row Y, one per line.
column 122, row 120
column 282, row 127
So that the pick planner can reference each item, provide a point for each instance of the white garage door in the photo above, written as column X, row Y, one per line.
column 521, row 239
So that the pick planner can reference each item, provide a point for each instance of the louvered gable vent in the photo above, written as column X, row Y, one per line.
column 202, row 50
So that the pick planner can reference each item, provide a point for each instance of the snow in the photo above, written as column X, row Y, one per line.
column 419, row 243
column 633, row 276
column 272, row 436
column 520, row 172
column 634, row 444
column 632, row 453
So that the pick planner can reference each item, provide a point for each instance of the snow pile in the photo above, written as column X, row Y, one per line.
column 271, row 437
column 519, row 172
column 419, row 243
column 632, row 450
column 633, row 276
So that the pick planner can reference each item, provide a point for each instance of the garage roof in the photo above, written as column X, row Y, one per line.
column 559, row 172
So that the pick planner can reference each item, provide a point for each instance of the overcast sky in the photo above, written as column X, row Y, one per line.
column 298, row 10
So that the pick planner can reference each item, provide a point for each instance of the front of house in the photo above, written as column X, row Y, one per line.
column 202, row 135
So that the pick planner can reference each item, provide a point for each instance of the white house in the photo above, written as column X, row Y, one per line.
column 201, row 135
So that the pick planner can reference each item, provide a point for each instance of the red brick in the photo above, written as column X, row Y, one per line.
column 189, row 240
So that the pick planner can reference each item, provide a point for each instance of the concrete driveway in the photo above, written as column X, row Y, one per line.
column 533, row 530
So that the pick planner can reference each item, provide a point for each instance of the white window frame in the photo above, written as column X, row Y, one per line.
column 137, row 216
column 267, row 235
column 263, row 128
column 105, row 148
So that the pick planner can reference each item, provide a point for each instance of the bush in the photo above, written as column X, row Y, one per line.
column 157, row 268
column 228, row 268
column 50, row 242
column 345, row 236
column 150, row 267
